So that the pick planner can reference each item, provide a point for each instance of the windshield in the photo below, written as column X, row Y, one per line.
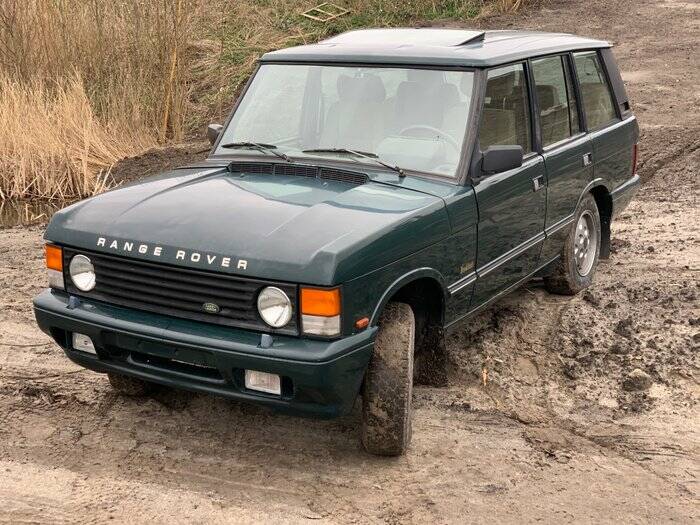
column 411, row 118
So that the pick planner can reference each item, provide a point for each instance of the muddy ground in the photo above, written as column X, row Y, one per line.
column 545, row 418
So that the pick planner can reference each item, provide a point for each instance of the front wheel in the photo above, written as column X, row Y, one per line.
column 388, row 387
column 579, row 258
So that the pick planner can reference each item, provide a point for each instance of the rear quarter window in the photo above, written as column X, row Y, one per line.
column 595, row 91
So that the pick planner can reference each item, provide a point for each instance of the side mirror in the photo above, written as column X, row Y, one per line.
column 213, row 132
column 497, row 159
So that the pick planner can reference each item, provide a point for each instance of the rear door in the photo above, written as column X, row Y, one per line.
column 613, row 138
column 511, row 204
column 567, row 150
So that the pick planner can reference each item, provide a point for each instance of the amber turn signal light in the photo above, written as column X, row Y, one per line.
column 321, row 302
column 54, row 257
column 363, row 323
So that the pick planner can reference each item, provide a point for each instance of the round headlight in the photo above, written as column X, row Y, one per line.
column 274, row 306
column 82, row 273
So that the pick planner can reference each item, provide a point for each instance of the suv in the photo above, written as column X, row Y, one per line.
column 367, row 194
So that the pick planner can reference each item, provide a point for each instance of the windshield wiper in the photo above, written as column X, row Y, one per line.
column 363, row 154
column 263, row 148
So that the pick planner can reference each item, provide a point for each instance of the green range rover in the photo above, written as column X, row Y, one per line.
column 367, row 194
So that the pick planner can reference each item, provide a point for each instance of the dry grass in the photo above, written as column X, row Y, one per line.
column 508, row 6
column 53, row 146
column 84, row 83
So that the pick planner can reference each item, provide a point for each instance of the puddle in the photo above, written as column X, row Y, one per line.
column 26, row 213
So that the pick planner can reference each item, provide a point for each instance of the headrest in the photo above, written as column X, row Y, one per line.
column 501, row 86
column 369, row 88
column 548, row 96
column 372, row 88
column 424, row 76
column 449, row 95
column 408, row 90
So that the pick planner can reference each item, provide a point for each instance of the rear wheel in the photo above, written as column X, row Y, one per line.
column 129, row 386
column 386, row 397
column 579, row 258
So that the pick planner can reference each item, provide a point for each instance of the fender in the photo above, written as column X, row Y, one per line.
column 593, row 184
column 402, row 281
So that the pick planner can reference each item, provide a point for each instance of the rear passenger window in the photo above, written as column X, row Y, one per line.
column 556, row 99
column 595, row 92
column 506, row 117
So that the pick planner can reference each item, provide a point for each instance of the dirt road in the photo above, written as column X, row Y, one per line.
column 557, row 433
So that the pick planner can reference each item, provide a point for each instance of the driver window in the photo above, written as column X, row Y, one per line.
column 505, row 119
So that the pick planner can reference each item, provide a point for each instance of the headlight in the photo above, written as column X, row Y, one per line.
column 82, row 273
column 274, row 306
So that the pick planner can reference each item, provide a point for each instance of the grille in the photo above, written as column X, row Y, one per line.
column 298, row 170
column 178, row 292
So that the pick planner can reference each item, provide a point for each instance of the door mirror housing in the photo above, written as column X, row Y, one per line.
column 213, row 132
column 497, row 159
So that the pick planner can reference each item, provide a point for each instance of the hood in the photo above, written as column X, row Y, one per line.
column 292, row 228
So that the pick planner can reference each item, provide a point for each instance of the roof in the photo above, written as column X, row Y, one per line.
column 429, row 46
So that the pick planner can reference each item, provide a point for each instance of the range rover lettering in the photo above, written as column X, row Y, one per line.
column 367, row 194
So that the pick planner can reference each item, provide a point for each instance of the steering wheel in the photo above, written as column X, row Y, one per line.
column 406, row 132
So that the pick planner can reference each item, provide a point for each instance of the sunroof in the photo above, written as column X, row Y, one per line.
column 398, row 37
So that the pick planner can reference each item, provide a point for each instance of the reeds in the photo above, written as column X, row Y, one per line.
column 53, row 146
column 84, row 83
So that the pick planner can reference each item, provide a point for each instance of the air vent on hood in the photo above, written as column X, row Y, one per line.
column 350, row 177
column 298, row 170
column 250, row 167
column 295, row 170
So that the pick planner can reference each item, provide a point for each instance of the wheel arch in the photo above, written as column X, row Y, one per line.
column 603, row 200
column 423, row 289
column 598, row 188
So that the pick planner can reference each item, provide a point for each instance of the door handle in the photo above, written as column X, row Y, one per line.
column 587, row 159
column 538, row 183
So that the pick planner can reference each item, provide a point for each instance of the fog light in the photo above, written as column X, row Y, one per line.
column 263, row 382
column 83, row 343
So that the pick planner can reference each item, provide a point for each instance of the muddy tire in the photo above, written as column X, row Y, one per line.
column 129, row 386
column 580, row 254
column 388, row 387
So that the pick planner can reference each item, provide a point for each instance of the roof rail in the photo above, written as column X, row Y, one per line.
column 476, row 38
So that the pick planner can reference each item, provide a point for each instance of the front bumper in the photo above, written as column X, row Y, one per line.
column 319, row 378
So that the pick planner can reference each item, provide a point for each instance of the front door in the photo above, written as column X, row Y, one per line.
column 511, row 204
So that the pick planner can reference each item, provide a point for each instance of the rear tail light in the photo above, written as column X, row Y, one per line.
column 320, row 311
column 635, row 154
column 54, row 266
